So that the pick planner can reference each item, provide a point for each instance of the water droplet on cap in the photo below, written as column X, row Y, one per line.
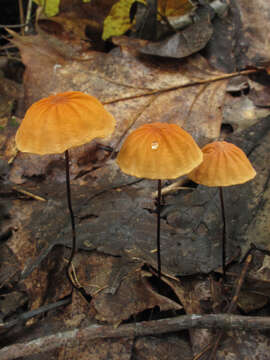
column 154, row 145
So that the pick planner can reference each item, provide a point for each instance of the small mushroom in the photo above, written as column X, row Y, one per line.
column 159, row 151
column 224, row 164
column 60, row 122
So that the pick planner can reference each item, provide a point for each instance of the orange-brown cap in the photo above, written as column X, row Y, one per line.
column 224, row 164
column 159, row 151
column 60, row 122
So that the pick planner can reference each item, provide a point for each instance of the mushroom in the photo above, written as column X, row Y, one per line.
column 59, row 122
column 224, row 164
column 159, row 151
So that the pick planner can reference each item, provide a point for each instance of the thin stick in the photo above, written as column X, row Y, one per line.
column 29, row 194
column 22, row 21
column 193, row 83
column 28, row 15
column 144, row 328
column 74, row 245
column 224, row 232
column 239, row 284
column 233, row 304
column 173, row 187
column 158, row 229
column 32, row 313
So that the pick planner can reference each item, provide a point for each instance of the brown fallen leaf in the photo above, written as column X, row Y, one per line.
column 165, row 347
column 254, row 35
column 114, row 349
column 125, row 83
column 241, row 113
column 240, row 40
column 119, row 288
column 183, row 43
column 9, row 267
column 249, row 301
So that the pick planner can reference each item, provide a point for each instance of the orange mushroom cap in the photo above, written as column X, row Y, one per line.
column 159, row 151
column 224, row 164
column 60, row 122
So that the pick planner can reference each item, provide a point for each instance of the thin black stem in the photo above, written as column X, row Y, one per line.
column 224, row 232
column 158, row 229
column 73, row 250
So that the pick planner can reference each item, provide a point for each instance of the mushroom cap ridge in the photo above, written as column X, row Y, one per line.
column 60, row 122
column 224, row 164
column 159, row 151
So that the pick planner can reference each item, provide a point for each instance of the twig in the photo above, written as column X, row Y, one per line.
column 155, row 327
column 28, row 15
column 239, row 282
column 22, row 21
column 29, row 194
column 12, row 26
column 204, row 351
column 29, row 314
column 233, row 303
column 193, row 83
column 175, row 186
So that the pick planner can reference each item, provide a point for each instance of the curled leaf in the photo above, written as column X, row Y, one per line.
column 51, row 7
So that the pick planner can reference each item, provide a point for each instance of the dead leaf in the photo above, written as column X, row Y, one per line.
column 182, row 44
column 136, row 91
column 51, row 7
column 241, row 40
column 114, row 213
column 173, row 8
column 253, row 34
column 244, row 344
column 119, row 19
column 257, row 228
column 260, row 96
column 118, row 287
column 241, row 113
column 114, row 349
column 165, row 347
column 9, row 267
column 249, row 301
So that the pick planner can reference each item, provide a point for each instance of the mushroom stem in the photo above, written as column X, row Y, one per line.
column 158, row 228
column 224, row 232
column 73, row 250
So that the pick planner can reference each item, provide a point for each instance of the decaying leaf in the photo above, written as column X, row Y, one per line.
column 51, row 7
column 119, row 22
column 249, row 301
column 183, row 43
column 244, row 344
column 240, row 40
column 115, row 214
column 165, row 347
column 254, row 35
column 260, row 95
column 134, row 91
column 241, row 113
column 113, row 349
column 9, row 267
column 257, row 229
column 120, row 289
column 173, row 8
